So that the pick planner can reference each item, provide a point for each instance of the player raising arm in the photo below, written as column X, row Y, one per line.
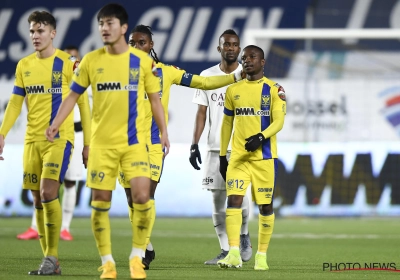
column 119, row 75
column 255, row 108
column 141, row 38
column 44, row 77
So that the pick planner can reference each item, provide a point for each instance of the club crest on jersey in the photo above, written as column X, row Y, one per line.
column 265, row 100
column 133, row 74
column 56, row 77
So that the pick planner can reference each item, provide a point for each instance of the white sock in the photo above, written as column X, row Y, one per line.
column 245, row 216
column 136, row 252
column 33, row 224
column 219, row 217
column 68, row 207
column 150, row 247
column 106, row 258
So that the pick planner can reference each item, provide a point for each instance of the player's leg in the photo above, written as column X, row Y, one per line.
column 74, row 174
column 156, row 160
column 68, row 207
column 264, row 184
column 246, row 250
column 56, row 157
column 213, row 181
column 101, row 178
column 31, row 232
column 237, row 181
column 135, row 165
column 32, row 166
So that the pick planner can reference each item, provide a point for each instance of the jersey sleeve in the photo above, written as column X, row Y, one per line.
column 84, row 110
column 151, row 81
column 227, row 123
column 278, row 112
column 200, row 97
column 14, row 105
column 81, row 80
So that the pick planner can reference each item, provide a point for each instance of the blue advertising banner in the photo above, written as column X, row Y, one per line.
column 185, row 32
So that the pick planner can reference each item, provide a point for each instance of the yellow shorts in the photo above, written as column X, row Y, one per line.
column 156, row 159
column 103, row 165
column 261, row 174
column 45, row 160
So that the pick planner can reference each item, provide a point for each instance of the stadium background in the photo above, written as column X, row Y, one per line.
column 339, row 150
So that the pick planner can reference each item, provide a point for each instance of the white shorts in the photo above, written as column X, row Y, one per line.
column 212, row 179
column 75, row 168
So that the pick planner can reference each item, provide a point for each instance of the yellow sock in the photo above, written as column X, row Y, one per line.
column 130, row 213
column 40, row 228
column 152, row 220
column 265, row 229
column 233, row 224
column 101, row 226
column 52, row 225
column 140, row 225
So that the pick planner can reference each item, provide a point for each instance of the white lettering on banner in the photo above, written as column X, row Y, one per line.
column 254, row 19
column 16, row 50
column 394, row 20
column 226, row 21
column 178, row 34
column 5, row 16
column 64, row 17
column 192, row 50
column 357, row 17
column 164, row 18
column 93, row 41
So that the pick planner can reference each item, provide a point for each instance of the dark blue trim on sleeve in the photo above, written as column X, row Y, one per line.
column 77, row 88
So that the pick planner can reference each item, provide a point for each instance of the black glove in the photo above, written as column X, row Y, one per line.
column 253, row 142
column 195, row 154
column 223, row 166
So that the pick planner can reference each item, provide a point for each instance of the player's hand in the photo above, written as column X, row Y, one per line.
column 165, row 143
column 253, row 142
column 194, row 156
column 51, row 132
column 223, row 166
column 2, row 143
column 85, row 155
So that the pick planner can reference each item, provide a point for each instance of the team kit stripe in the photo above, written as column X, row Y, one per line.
column 228, row 112
column 19, row 91
column 56, row 98
column 77, row 88
column 134, row 63
column 155, row 132
column 65, row 163
column 186, row 79
column 266, row 120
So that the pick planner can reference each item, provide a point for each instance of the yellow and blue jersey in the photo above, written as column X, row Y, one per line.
column 251, row 103
column 45, row 83
column 118, row 84
column 170, row 75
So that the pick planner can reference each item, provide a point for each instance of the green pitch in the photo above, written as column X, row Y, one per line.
column 298, row 250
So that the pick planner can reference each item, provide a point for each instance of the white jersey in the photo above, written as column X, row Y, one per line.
column 214, row 100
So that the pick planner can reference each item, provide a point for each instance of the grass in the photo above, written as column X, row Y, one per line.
column 298, row 249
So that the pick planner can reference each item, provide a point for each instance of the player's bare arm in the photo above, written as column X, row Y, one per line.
column 66, row 108
column 84, row 110
column 199, row 124
column 158, row 113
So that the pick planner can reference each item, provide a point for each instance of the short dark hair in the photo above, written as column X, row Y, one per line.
column 113, row 10
column 42, row 17
column 71, row 47
column 257, row 48
column 229, row 32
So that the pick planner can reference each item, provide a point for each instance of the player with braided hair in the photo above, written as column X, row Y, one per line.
column 141, row 38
